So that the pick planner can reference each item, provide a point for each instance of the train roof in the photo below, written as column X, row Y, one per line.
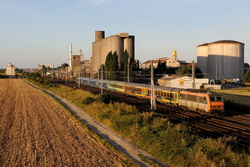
column 146, row 86
column 201, row 91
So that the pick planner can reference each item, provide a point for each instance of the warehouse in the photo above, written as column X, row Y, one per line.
column 184, row 82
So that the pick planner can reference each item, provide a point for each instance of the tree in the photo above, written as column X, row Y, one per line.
column 161, row 67
column 124, row 64
column 111, row 64
column 184, row 70
column 44, row 70
column 247, row 77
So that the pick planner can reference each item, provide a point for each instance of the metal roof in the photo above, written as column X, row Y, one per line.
column 221, row 41
column 227, row 41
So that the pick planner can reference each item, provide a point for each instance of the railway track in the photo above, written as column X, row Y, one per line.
column 232, row 124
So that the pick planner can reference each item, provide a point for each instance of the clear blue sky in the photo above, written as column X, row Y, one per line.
column 39, row 31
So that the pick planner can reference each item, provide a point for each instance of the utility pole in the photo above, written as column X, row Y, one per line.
column 128, row 67
column 52, row 73
column 193, row 75
column 79, row 81
column 98, row 72
column 153, row 102
column 66, row 77
column 101, row 78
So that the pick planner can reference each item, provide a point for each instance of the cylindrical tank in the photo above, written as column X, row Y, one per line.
column 99, row 35
column 226, row 59
column 222, row 59
column 129, row 45
column 202, row 58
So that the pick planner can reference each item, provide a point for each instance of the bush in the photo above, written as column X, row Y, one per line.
column 88, row 100
column 106, row 98
column 247, row 76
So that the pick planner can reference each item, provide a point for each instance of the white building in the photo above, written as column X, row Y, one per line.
column 170, row 62
column 10, row 70
column 221, row 59
column 184, row 82
column 49, row 65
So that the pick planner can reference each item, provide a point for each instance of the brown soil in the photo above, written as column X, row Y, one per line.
column 36, row 131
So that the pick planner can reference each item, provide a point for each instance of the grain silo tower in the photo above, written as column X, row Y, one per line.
column 114, row 43
column 224, row 59
column 10, row 70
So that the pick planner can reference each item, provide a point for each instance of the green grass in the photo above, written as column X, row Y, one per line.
column 170, row 143
column 243, row 91
column 236, row 99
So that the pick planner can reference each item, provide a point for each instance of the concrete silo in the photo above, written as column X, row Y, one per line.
column 102, row 46
column 224, row 60
column 99, row 35
column 10, row 70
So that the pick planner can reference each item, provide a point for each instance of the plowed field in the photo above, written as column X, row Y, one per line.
column 36, row 131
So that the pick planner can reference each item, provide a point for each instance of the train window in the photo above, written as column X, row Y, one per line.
column 158, row 93
column 205, row 100
column 212, row 98
column 139, row 90
column 168, row 95
column 183, row 96
column 201, row 99
column 219, row 98
column 191, row 97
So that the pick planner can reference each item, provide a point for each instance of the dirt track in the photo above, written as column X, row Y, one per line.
column 36, row 131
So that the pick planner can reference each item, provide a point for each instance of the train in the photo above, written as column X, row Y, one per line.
column 202, row 101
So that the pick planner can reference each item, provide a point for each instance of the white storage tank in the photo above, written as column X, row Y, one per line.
column 225, row 59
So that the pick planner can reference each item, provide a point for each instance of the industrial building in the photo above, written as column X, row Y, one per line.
column 115, row 43
column 170, row 62
column 76, row 65
column 183, row 82
column 222, row 59
column 10, row 70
